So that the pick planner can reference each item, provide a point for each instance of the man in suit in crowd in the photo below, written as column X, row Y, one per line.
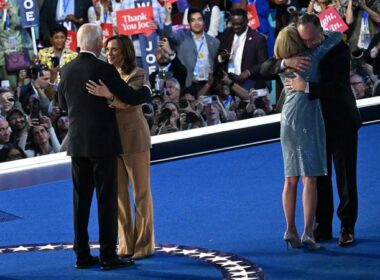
column 71, row 13
column 195, row 48
column 243, row 50
column 94, row 143
column 342, row 121
column 169, row 66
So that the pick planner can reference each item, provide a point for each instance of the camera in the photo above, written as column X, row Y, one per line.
column 183, row 103
column 165, row 114
column 219, row 73
column 54, row 61
column 191, row 117
column 147, row 108
column 36, row 70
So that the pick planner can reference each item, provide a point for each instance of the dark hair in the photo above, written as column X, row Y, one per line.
column 190, row 90
column 5, row 89
column 58, row 29
column 309, row 18
column 4, row 152
column 127, row 50
column 239, row 12
column 192, row 11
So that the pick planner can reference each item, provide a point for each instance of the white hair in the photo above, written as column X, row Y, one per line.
column 89, row 34
column 175, row 82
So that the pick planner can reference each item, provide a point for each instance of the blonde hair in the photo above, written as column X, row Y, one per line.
column 288, row 43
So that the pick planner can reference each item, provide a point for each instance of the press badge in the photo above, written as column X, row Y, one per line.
column 12, row 43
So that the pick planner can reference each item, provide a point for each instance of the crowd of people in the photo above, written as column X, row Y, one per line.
column 207, row 69
column 212, row 67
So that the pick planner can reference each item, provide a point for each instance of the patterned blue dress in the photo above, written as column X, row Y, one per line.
column 303, row 138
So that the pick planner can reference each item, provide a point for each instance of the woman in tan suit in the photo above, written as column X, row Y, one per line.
column 136, row 238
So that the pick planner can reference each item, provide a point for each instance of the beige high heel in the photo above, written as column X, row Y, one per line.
column 309, row 242
column 292, row 239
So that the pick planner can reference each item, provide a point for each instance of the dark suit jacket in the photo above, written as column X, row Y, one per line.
column 375, row 62
column 48, row 15
column 178, row 71
column 334, row 90
column 255, row 50
column 93, row 129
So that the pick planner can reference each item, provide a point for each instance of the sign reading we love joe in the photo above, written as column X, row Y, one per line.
column 134, row 21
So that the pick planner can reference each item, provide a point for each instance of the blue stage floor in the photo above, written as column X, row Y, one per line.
column 227, row 205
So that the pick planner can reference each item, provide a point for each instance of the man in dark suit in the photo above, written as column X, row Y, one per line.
column 94, row 143
column 243, row 50
column 70, row 12
column 342, row 121
column 169, row 66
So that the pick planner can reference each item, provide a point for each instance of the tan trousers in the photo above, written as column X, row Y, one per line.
column 135, row 237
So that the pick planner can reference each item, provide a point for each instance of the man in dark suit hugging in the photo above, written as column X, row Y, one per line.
column 94, row 143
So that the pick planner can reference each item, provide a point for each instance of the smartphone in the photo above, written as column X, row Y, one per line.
column 262, row 92
column 36, row 108
column 54, row 61
column 207, row 100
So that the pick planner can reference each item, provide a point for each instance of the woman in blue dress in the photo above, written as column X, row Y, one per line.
column 302, row 135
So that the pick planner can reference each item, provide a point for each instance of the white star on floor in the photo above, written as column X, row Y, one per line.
column 20, row 249
column 218, row 259
column 205, row 255
column 226, row 263
column 168, row 249
column 189, row 252
column 47, row 247
column 1, row 250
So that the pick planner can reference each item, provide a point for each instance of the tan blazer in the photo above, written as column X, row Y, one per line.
column 133, row 127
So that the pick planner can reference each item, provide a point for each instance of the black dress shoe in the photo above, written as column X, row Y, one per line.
column 86, row 262
column 116, row 263
column 346, row 238
column 322, row 233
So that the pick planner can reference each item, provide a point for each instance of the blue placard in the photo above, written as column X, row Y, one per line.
column 28, row 13
column 148, row 44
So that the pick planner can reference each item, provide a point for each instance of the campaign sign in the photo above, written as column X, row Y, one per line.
column 331, row 20
column 28, row 13
column 253, row 18
column 71, row 41
column 134, row 21
column 107, row 30
column 2, row 5
column 162, row 2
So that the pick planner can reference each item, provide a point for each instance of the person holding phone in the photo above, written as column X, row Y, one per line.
column 44, row 141
column 57, row 55
column 303, row 138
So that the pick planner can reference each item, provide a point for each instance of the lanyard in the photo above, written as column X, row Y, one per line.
column 200, row 47
column 105, row 16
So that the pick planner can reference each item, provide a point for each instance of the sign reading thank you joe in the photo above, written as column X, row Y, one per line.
column 134, row 21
